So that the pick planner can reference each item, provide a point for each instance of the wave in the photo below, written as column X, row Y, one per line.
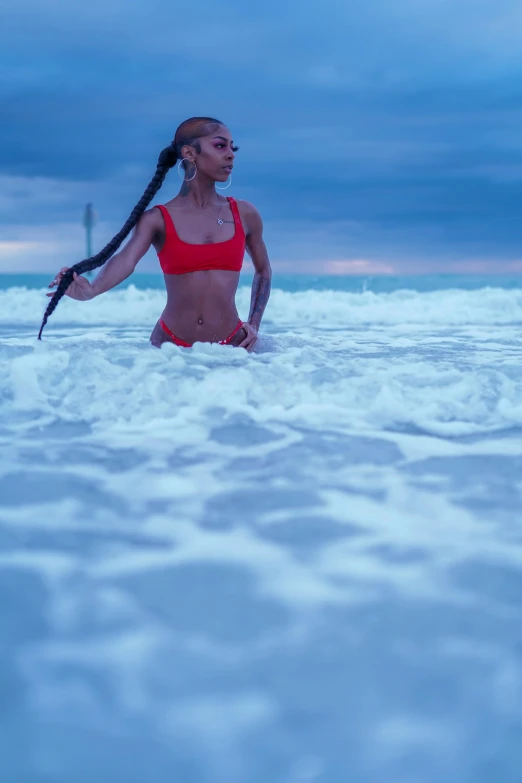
column 327, row 309
column 119, row 386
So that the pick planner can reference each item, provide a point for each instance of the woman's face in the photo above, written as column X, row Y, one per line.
column 216, row 158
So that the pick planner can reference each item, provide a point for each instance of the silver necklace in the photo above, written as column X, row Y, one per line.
column 218, row 219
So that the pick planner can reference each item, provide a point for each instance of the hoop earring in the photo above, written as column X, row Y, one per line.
column 226, row 186
column 182, row 176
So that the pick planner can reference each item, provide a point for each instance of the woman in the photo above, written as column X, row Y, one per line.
column 200, row 238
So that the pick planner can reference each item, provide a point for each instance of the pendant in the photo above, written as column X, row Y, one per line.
column 220, row 221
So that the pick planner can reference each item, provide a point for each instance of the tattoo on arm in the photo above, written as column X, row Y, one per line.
column 259, row 299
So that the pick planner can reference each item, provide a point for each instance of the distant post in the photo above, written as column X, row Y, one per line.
column 89, row 219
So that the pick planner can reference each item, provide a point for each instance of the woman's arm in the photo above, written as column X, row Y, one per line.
column 261, row 284
column 121, row 265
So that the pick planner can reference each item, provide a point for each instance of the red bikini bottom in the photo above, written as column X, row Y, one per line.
column 183, row 344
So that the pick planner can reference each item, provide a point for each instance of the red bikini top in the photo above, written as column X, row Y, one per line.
column 178, row 257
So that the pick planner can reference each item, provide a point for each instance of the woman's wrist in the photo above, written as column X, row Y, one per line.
column 97, row 287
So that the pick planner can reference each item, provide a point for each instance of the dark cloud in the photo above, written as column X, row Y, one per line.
column 397, row 124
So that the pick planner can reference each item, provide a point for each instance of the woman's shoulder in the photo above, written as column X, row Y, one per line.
column 151, row 219
column 249, row 214
column 246, row 206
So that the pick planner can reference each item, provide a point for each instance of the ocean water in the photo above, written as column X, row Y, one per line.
column 298, row 566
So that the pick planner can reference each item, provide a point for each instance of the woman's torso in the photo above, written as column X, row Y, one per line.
column 192, row 249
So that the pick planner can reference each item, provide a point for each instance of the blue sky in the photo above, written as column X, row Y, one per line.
column 376, row 136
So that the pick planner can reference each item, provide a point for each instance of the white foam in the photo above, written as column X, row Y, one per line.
column 326, row 309
column 199, row 520
column 445, row 383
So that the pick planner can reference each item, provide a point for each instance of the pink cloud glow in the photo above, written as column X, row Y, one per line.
column 336, row 267
column 358, row 267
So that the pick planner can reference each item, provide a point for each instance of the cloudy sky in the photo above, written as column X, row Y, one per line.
column 376, row 135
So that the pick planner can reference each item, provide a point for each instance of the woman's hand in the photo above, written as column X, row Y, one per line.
column 79, row 289
column 251, row 337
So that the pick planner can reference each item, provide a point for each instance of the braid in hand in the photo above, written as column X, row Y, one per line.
column 166, row 160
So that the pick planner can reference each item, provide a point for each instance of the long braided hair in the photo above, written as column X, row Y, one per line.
column 187, row 133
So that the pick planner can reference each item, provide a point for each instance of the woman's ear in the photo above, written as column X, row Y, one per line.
column 188, row 153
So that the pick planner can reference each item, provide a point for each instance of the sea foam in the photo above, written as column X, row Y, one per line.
column 297, row 565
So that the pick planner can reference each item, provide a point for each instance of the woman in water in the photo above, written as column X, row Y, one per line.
column 200, row 238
